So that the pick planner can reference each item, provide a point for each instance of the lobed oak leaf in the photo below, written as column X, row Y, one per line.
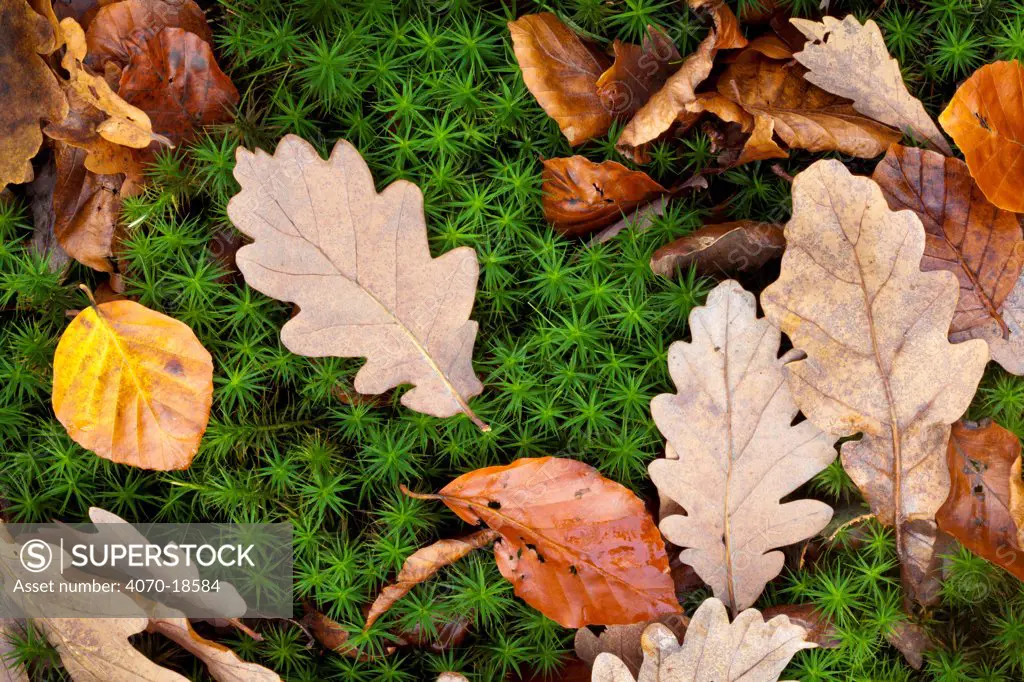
column 581, row 196
column 714, row 650
column 1005, row 336
column 726, row 248
column 850, row 59
column 562, row 73
column 986, row 120
column 358, row 265
column 579, row 548
column 133, row 385
column 121, row 28
column 422, row 565
column 965, row 234
column 637, row 73
column 978, row 511
column 31, row 91
column 851, row 295
column 737, row 454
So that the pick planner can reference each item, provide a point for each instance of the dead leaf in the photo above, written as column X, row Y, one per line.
column 1008, row 351
column 223, row 664
column 451, row 677
column 422, row 565
column 133, row 385
column 642, row 218
column 770, row 46
column 965, row 234
column 715, row 650
column 850, row 60
column 40, row 196
column 730, row 37
column 912, row 640
column 121, row 28
column 332, row 635
column 851, row 295
column 726, row 248
column 358, row 265
column 986, row 120
column 637, row 73
column 804, row 116
column 977, row 510
column 1017, row 499
column 729, row 423
column 562, row 73
column 30, row 90
column 579, row 548
column 98, row 650
column 761, row 144
column 87, row 209
column 175, row 77
column 581, row 196
column 820, row 629
column 623, row 641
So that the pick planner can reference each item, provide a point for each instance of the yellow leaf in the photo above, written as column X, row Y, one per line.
column 133, row 385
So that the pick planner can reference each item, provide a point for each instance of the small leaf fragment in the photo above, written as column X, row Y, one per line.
column 726, row 248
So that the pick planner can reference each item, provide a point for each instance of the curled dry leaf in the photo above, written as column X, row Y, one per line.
column 965, row 234
column 726, row 248
column 120, row 28
column 30, row 90
column 562, row 73
column 986, row 120
column 174, row 76
column 579, row 548
column 133, row 385
column 623, row 641
column 820, row 629
column 804, row 116
column 977, row 511
column 637, row 73
column 852, row 296
column 581, row 196
column 730, row 425
column 715, row 650
column 86, row 207
column 223, row 664
column 849, row 59
column 1006, row 338
column 422, row 565
column 358, row 265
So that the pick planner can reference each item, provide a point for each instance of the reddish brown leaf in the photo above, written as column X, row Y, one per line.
column 121, row 28
column 562, row 73
column 581, row 196
column 965, row 234
column 820, row 629
column 86, row 209
column 422, row 565
column 579, row 548
column 175, row 77
column 726, row 248
column 977, row 510
column 332, row 635
column 637, row 73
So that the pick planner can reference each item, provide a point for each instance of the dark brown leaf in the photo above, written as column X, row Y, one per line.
column 118, row 29
column 637, row 73
column 87, row 208
column 723, row 249
column 820, row 629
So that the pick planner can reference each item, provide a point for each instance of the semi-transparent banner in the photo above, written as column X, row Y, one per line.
column 104, row 570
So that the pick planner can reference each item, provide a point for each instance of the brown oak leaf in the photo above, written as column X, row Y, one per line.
column 726, row 248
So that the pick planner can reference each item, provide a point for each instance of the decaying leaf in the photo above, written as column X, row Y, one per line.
column 579, row 548
column 87, row 208
column 729, row 423
column 175, row 77
column 120, row 28
column 133, row 385
column 820, row 629
column 98, row 650
column 852, row 296
column 223, row 664
column 562, row 73
column 1005, row 344
column 726, row 248
column 357, row 264
column 581, row 196
column 31, row 92
column 637, row 73
column 332, row 635
column 623, row 641
column 715, row 650
column 849, row 59
column 986, row 120
column 422, row 565
column 965, row 234
column 804, row 116
column 977, row 511
column 912, row 640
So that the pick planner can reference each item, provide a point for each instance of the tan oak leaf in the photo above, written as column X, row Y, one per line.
column 738, row 454
column 852, row 296
column 358, row 265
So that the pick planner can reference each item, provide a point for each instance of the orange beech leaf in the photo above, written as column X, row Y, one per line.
column 120, row 28
column 638, row 72
column 726, row 248
column 422, row 565
column 133, row 385
column 86, row 208
column 581, row 196
column 31, row 92
column 174, row 76
column 964, row 233
column 579, row 548
column 977, row 511
column 986, row 120
column 562, row 73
